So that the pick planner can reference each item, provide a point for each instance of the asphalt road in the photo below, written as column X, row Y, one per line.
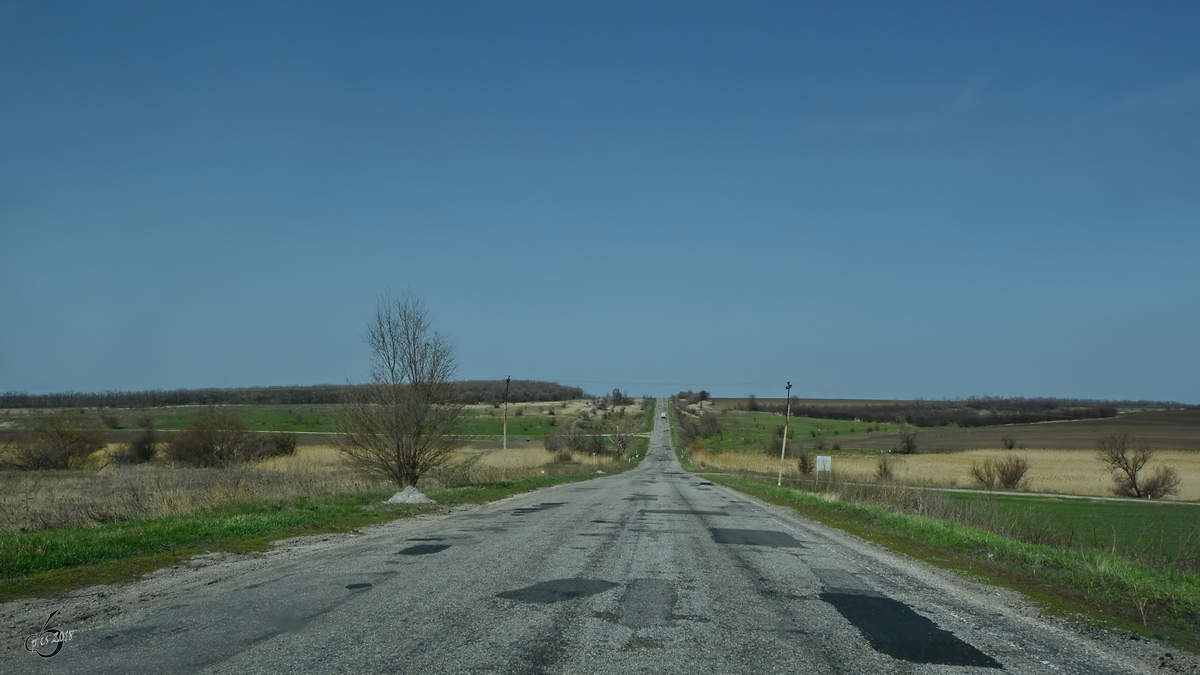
column 653, row 570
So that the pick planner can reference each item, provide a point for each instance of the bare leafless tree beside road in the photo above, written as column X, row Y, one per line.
column 406, row 421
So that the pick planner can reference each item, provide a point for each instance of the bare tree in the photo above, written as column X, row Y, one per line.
column 622, row 433
column 407, row 419
column 1126, row 464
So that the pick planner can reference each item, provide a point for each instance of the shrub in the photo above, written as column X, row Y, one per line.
column 907, row 443
column 279, row 444
column 1010, row 472
column 60, row 441
column 807, row 463
column 710, row 425
column 1163, row 483
column 984, row 474
column 111, row 421
column 216, row 438
column 1007, row 473
column 883, row 469
column 140, row 450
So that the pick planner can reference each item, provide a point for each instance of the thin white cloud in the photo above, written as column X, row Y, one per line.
column 1178, row 95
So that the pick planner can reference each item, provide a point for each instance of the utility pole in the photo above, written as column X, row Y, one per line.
column 786, row 416
column 506, row 381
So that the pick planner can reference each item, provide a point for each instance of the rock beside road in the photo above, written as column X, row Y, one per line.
column 409, row 495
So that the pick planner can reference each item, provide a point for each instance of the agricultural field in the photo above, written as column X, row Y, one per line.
column 1159, row 429
column 1068, row 472
column 1061, row 454
column 753, row 431
column 527, row 422
column 1157, row 533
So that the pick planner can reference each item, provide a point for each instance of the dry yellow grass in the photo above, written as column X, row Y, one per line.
column 41, row 499
column 1061, row 471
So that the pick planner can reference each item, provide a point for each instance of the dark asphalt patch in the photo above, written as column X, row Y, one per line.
column 704, row 483
column 558, row 590
column 724, row 535
column 423, row 549
column 685, row 512
column 535, row 509
column 355, row 587
column 894, row 629
column 648, row 602
column 641, row 498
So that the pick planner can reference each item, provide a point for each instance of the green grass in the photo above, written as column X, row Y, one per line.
column 54, row 561
column 1105, row 586
column 752, row 431
column 1151, row 532
column 532, row 426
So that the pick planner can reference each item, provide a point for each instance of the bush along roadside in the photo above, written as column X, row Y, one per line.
column 41, row 563
column 1107, row 588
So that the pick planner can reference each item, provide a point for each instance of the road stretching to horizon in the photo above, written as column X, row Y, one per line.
column 653, row 570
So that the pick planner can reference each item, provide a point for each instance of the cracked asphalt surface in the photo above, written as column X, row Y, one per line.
column 653, row 570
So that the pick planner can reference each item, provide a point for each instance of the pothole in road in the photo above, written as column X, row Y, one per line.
column 641, row 498
column 357, row 587
column 726, row 535
column 423, row 549
column 558, row 590
column 685, row 512
column 894, row 629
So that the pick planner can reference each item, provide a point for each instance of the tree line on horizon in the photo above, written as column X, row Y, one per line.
column 468, row 391
column 971, row 412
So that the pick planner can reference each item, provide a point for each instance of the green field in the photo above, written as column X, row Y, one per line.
column 533, row 426
column 1152, row 532
column 752, row 432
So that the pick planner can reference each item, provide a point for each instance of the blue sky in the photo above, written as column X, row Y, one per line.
column 871, row 200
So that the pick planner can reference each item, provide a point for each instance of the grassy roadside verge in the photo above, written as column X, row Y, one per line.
column 55, row 561
column 1092, row 585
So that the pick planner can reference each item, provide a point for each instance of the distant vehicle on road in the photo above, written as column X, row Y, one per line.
column 662, row 416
